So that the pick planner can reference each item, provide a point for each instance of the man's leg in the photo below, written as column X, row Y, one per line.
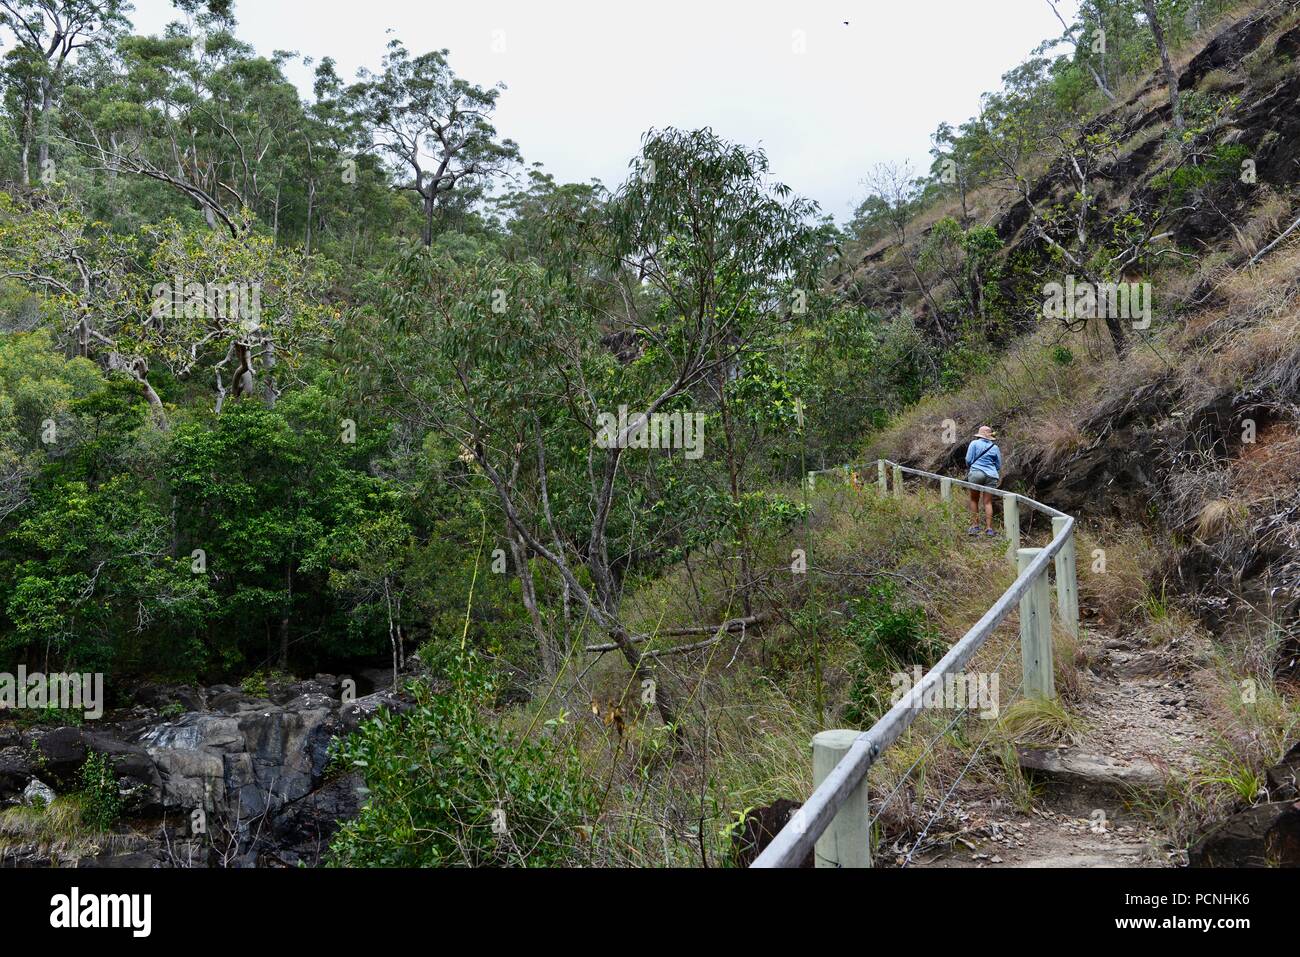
column 988, row 510
column 974, row 507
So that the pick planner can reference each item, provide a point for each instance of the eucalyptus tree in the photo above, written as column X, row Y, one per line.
column 687, row 264
column 198, row 111
column 232, row 305
column 22, row 70
column 434, row 126
column 50, row 31
column 1162, row 48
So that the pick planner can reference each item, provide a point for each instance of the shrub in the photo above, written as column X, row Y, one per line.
column 448, row 786
column 1223, row 165
column 889, row 636
column 101, row 802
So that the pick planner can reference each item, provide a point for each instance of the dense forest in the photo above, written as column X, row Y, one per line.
column 336, row 382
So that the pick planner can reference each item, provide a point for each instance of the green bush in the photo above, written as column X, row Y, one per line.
column 889, row 635
column 448, row 786
column 1223, row 165
column 101, row 802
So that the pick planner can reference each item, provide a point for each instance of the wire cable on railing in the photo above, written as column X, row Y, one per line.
column 902, row 781
column 930, row 746
column 939, row 810
column 969, row 764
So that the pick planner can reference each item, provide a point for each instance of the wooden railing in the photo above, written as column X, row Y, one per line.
column 834, row 820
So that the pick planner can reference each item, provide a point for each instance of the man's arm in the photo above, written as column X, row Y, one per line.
column 970, row 453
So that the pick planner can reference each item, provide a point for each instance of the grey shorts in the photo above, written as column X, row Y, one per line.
column 976, row 477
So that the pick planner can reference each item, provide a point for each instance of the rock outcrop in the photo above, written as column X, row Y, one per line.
column 1266, row 835
column 254, row 769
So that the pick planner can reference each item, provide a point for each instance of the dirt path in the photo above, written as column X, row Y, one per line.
column 1143, row 722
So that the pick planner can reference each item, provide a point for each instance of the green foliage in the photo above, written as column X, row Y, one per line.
column 889, row 636
column 443, row 774
column 1222, row 165
column 101, row 802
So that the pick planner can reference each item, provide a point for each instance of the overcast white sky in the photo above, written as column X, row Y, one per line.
column 586, row 78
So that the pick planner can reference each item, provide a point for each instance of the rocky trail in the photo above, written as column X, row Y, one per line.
column 1141, row 723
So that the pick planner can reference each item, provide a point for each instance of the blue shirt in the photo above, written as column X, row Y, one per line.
column 983, row 454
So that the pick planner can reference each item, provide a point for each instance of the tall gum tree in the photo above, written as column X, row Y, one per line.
column 434, row 126
column 514, row 363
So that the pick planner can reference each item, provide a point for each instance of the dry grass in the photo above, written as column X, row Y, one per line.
column 1218, row 517
column 1040, row 722
column 1024, row 396
column 1058, row 437
column 58, row 832
column 1115, row 565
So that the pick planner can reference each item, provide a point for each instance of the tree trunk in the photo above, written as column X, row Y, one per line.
column 242, row 383
column 1149, row 6
column 428, row 218
column 47, row 106
column 529, row 593
column 284, row 620
column 1118, row 335
column 269, row 393
column 392, row 633
column 733, row 475
column 155, row 404
column 311, row 202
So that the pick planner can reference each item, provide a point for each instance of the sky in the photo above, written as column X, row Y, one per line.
column 584, row 80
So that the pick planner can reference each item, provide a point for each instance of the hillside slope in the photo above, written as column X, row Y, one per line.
column 1189, row 440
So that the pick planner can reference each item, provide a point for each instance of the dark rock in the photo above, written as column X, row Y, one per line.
column 64, row 751
column 234, row 701
column 761, row 825
column 163, row 696
column 1267, row 835
column 355, row 712
column 148, row 858
column 16, row 769
column 1284, row 778
column 1227, row 48
column 245, row 761
column 1288, row 44
column 302, row 830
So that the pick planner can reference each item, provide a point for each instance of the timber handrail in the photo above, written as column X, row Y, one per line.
column 845, row 782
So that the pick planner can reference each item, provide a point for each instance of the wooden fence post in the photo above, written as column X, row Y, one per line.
column 882, row 479
column 945, row 489
column 846, row 842
column 1067, row 581
column 1036, row 632
column 898, row 481
column 1011, row 525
